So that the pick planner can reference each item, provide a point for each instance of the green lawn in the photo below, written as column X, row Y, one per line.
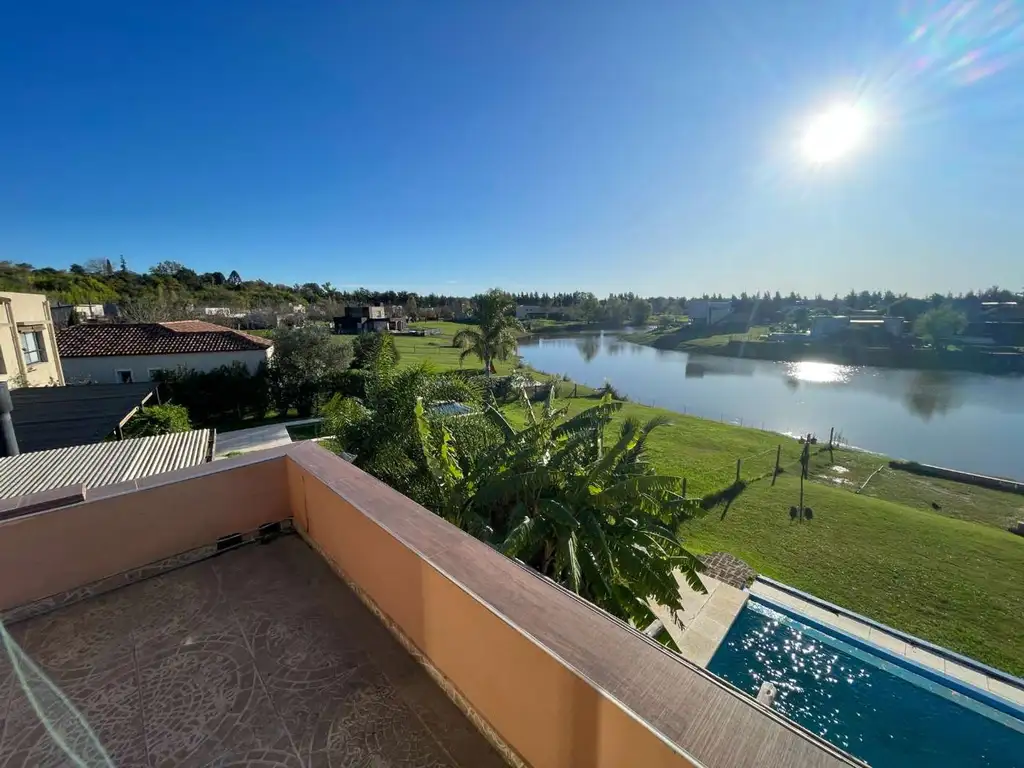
column 702, row 451
column 305, row 431
column 851, row 469
column 950, row 581
column 697, row 344
column 437, row 350
column 952, row 576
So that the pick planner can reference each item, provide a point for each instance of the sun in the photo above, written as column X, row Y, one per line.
column 834, row 133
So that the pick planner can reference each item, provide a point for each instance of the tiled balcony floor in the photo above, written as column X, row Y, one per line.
column 260, row 656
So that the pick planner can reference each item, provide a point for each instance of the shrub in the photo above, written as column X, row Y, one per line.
column 352, row 383
column 610, row 391
column 367, row 346
column 228, row 392
column 306, row 367
column 158, row 420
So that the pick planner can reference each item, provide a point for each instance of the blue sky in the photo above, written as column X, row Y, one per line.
column 453, row 146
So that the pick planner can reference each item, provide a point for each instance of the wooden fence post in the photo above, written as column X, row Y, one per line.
column 778, row 456
column 739, row 463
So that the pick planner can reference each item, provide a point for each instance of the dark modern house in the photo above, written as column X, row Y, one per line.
column 367, row 319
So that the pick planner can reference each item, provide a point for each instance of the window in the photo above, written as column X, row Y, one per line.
column 124, row 377
column 155, row 374
column 32, row 348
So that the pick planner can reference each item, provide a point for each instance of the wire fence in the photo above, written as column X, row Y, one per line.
column 723, row 479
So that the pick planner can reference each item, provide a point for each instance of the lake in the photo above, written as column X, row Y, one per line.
column 966, row 421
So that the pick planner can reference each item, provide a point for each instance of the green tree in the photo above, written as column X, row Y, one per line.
column 379, row 428
column 495, row 336
column 158, row 420
column 167, row 268
column 639, row 311
column 616, row 311
column 305, row 367
column 369, row 347
column 592, row 516
column 234, row 279
column 939, row 325
column 590, row 308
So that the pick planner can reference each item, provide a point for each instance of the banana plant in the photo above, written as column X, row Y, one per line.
column 592, row 516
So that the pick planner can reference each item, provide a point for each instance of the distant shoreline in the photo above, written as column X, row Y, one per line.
column 973, row 361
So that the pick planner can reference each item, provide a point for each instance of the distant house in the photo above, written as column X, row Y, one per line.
column 823, row 326
column 531, row 312
column 221, row 312
column 133, row 352
column 706, row 312
column 28, row 349
column 61, row 313
column 363, row 319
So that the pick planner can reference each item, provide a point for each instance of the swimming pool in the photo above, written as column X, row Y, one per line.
column 881, row 711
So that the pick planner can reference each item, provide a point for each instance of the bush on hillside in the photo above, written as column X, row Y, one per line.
column 158, row 420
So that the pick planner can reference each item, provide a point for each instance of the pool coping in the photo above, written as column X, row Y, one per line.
column 966, row 689
column 938, row 650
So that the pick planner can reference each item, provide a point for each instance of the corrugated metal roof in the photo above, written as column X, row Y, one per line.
column 102, row 463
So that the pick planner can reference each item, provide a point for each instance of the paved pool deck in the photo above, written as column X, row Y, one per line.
column 257, row 438
column 705, row 618
column 891, row 642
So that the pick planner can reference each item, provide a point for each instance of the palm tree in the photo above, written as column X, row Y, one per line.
column 495, row 337
column 380, row 427
column 591, row 516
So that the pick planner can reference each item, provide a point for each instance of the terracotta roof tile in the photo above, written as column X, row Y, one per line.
column 173, row 338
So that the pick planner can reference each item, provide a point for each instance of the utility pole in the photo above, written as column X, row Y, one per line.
column 10, row 440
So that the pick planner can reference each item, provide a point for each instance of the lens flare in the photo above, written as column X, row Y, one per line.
column 834, row 133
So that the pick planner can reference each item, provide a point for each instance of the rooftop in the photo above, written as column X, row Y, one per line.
column 285, row 608
column 260, row 654
column 103, row 463
column 58, row 417
column 171, row 338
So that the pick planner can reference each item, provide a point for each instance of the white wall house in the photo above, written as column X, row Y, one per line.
column 136, row 352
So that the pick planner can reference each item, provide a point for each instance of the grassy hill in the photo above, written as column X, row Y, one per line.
column 952, row 575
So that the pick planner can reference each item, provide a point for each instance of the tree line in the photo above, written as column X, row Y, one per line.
column 170, row 290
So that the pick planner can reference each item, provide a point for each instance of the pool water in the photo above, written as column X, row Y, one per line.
column 879, row 711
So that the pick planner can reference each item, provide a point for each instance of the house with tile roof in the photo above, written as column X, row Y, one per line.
column 135, row 352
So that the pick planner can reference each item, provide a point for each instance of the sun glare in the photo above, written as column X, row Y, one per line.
column 833, row 134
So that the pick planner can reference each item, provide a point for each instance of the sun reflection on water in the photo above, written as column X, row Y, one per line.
column 819, row 373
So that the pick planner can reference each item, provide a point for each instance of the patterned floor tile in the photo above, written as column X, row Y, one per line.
column 76, row 642
column 367, row 723
column 96, row 718
column 258, row 657
column 459, row 737
column 179, row 608
column 205, row 701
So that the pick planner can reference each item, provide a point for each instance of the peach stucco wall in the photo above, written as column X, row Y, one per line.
column 544, row 710
column 122, row 528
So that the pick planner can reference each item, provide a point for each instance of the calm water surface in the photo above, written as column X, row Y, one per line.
column 883, row 713
column 962, row 420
